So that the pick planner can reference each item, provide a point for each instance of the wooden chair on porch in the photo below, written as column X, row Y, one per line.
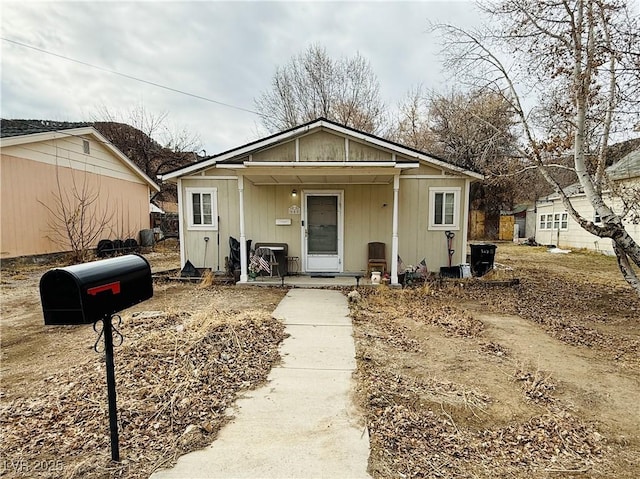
column 377, row 258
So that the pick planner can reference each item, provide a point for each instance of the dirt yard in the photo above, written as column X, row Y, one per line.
column 187, row 354
column 460, row 379
column 466, row 379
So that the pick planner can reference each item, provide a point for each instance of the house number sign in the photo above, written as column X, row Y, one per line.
column 294, row 210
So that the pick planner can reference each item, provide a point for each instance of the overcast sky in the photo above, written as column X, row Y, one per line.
column 224, row 51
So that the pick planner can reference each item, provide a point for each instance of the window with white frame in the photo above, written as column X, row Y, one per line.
column 444, row 208
column 554, row 221
column 202, row 208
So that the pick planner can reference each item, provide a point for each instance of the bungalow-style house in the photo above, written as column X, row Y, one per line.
column 42, row 163
column 325, row 191
column 556, row 227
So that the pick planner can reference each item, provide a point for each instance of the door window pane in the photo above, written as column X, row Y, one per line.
column 322, row 228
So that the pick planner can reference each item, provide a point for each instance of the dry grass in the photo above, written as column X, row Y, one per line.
column 443, row 400
column 177, row 373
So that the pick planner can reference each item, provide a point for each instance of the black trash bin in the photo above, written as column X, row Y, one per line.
column 482, row 257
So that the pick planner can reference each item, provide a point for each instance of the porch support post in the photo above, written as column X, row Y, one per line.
column 465, row 224
column 181, row 228
column 243, row 239
column 394, row 239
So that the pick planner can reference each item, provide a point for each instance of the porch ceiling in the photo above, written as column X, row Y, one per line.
column 326, row 175
column 319, row 179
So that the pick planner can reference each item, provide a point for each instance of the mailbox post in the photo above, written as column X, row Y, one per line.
column 91, row 292
column 111, row 388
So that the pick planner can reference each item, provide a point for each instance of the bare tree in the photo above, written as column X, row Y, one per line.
column 314, row 85
column 472, row 129
column 148, row 139
column 150, row 142
column 412, row 125
column 475, row 130
column 76, row 217
column 583, row 56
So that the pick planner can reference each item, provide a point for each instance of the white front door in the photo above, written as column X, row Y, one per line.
column 322, row 231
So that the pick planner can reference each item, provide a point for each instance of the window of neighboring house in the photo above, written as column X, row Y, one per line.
column 554, row 221
column 596, row 218
column 85, row 147
column 444, row 209
column 202, row 206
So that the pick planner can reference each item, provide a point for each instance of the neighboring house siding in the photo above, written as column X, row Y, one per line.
column 575, row 236
column 28, row 180
column 68, row 152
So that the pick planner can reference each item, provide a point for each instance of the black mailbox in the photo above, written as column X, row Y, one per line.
column 86, row 293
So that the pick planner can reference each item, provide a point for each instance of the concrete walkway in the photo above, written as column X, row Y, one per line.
column 302, row 423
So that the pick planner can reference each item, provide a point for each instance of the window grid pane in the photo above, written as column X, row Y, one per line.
column 197, row 208
column 206, row 209
column 438, row 208
column 565, row 221
column 448, row 209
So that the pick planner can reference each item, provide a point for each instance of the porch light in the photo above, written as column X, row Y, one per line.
column 294, row 192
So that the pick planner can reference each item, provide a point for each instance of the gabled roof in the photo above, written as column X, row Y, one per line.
column 28, row 127
column 48, row 132
column 232, row 156
column 627, row 167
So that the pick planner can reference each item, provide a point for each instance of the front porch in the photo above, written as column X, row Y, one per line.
column 344, row 280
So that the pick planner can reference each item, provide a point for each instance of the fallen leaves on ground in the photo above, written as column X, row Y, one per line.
column 176, row 375
column 575, row 312
column 419, row 426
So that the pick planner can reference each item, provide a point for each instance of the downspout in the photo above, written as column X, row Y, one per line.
column 394, row 238
column 243, row 239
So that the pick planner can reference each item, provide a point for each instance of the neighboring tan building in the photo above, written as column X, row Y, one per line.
column 326, row 191
column 37, row 163
column 556, row 227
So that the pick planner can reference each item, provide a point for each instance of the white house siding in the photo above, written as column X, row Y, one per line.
column 416, row 240
column 367, row 190
column 368, row 214
column 366, row 219
column 193, row 247
column 574, row 236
